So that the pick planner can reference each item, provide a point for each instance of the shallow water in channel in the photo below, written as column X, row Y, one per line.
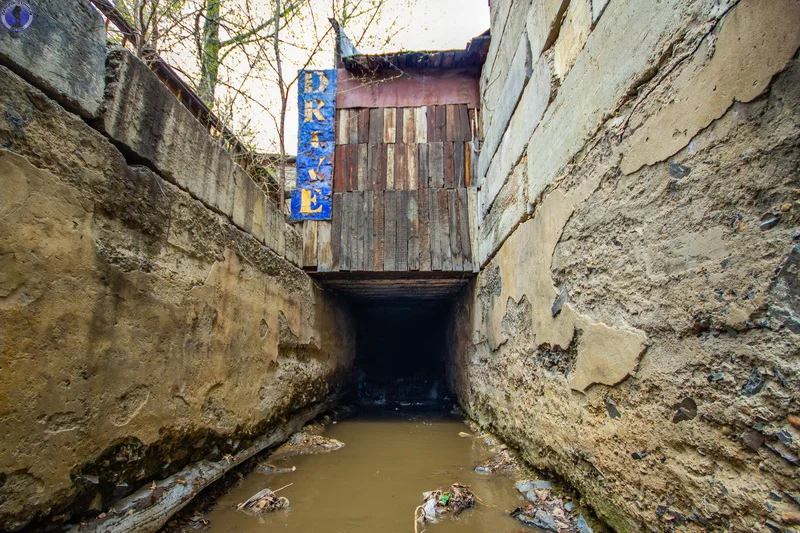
column 376, row 481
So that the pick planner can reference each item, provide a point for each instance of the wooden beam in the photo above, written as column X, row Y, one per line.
column 459, row 179
column 400, row 168
column 364, row 117
column 402, row 230
column 422, row 166
column 363, row 167
column 373, row 156
column 325, row 248
column 409, row 125
column 390, row 230
column 472, row 214
column 336, row 231
column 347, row 233
column 412, row 179
column 430, row 117
column 353, row 125
column 463, row 223
column 455, row 231
column 376, row 126
column 390, row 167
column 310, row 244
column 369, row 256
column 413, row 231
column 443, row 229
column 436, row 165
column 424, row 230
column 436, row 248
column 421, row 124
column 377, row 228
column 342, row 119
column 389, row 125
column 449, row 173
column 340, row 168
column 440, row 124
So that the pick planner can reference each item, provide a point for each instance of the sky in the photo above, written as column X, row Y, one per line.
column 441, row 25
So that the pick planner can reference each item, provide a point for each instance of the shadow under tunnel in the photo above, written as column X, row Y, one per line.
column 400, row 354
column 402, row 330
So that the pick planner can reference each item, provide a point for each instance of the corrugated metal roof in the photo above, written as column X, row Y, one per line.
column 473, row 56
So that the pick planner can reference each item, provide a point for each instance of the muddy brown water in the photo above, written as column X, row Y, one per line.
column 376, row 481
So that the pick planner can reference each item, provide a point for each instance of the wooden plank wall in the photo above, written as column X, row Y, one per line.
column 404, row 196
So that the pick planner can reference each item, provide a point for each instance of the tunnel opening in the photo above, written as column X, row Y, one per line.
column 400, row 353
column 401, row 336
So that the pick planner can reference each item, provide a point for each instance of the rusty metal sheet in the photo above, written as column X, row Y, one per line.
column 409, row 90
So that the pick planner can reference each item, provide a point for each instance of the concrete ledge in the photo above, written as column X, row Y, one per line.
column 145, row 118
column 62, row 53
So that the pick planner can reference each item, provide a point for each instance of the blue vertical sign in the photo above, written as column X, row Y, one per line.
column 316, row 102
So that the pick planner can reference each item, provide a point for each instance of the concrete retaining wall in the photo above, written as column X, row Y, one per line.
column 633, row 326
column 151, row 308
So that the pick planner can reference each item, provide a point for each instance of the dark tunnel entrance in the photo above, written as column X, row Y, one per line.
column 400, row 354
column 401, row 328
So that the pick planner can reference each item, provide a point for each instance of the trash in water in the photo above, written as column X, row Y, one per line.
column 436, row 503
column 264, row 501
column 303, row 443
column 464, row 434
column 546, row 511
column 272, row 469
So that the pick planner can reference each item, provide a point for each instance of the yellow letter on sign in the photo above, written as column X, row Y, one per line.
column 312, row 112
column 309, row 82
column 306, row 198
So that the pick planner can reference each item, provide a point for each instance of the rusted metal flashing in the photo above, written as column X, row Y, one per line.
column 472, row 57
column 408, row 89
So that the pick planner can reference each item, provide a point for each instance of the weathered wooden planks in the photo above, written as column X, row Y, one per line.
column 310, row 244
column 443, row 229
column 340, row 168
column 378, row 231
column 389, row 125
column 352, row 123
column 457, row 261
column 449, row 171
column 413, row 230
column 375, row 126
column 336, row 231
column 364, row 116
column 459, row 178
column 324, row 246
column 424, row 230
column 433, row 221
column 401, row 197
column 465, row 240
column 412, row 179
column 400, row 167
column 423, row 171
column 436, row 165
column 404, row 197
column 368, row 222
column 390, row 231
column 362, row 168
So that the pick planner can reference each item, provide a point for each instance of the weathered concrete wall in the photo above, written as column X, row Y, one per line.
column 63, row 52
column 634, row 326
column 141, row 325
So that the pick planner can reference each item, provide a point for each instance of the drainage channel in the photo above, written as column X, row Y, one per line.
column 369, row 470
column 375, row 482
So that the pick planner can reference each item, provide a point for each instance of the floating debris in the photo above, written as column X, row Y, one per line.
column 304, row 443
column 436, row 503
column 546, row 511
column 264, row 501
